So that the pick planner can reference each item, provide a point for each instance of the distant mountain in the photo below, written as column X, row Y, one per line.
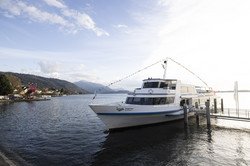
column 92, row 87
column 120, row 90
column 42, row 82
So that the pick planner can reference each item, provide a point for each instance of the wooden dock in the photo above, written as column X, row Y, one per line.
column 221, row 113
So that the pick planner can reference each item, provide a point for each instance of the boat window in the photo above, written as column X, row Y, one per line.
column 173, row 87
column 149, row 100
column 136, row 100
column 129, row 100
column 169, row 100
column 150, row 85
column 161, row 101
column 163, row 85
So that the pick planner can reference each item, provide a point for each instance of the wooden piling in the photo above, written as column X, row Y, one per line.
column 208, row 114
column 185, row 114
column 215, row 106
column 197, row 119
column 196, row 105
column 222, row 105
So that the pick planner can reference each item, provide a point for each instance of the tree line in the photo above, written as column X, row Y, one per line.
column 5, row 85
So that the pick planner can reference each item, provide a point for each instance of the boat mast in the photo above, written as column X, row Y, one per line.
column 165, row 68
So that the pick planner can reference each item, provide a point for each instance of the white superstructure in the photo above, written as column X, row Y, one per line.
column 158, row 100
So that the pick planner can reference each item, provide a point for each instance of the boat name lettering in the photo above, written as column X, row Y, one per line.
column 123, row 109
column 128, row 109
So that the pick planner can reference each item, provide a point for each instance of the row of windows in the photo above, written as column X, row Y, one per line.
column 150, row 85
column 149, row 101
column 156, row 85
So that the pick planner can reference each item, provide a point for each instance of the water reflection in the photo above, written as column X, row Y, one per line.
column 240, row 152
column 209, row 133
column 175, row 144
column 154, row 145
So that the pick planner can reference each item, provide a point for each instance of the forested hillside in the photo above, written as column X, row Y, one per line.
column 18, row 80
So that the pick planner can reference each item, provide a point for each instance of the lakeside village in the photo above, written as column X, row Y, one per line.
column 30, row 93
column 13, row 89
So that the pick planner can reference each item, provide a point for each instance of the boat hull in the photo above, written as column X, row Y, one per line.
column 124, row 121
column 114, row 118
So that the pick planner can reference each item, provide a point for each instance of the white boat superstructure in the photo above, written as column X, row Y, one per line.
column 158, row 100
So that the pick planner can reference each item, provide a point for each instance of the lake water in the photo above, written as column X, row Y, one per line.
column 64, row 131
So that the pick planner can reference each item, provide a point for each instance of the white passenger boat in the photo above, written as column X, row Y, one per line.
column 157, row 101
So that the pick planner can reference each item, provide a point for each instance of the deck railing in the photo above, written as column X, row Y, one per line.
column 232, row 112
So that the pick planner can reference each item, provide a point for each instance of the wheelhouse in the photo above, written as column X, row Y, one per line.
column 159, row 83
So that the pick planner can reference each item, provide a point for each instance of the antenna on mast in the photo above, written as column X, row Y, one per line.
column 164, row 65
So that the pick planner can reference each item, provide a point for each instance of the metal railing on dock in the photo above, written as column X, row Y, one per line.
column 219, row 113
column 231, row 113
column 227, row 113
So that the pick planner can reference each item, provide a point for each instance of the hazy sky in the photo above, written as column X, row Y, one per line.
column 104, row 40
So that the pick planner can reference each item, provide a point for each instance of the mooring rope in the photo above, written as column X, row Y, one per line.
column 189, row 71
column 130, row 75
column 138, row 71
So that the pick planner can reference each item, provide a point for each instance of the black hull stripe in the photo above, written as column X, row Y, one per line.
column 139, row 113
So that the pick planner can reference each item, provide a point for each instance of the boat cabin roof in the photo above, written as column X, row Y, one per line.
column 158, row 79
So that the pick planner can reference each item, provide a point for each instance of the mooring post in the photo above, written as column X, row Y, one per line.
column 208, row 113
column 196, row 105
column 185, row 114
column 215, row 105
column 197, row 119
column 222, row 106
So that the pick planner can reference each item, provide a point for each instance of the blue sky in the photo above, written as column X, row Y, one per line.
column 102, row 41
